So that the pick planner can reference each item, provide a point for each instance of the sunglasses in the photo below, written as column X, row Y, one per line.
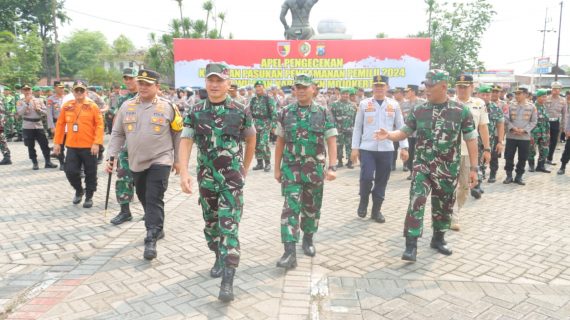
column 79, row 90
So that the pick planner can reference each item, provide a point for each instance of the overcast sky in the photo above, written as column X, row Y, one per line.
column 511, row 42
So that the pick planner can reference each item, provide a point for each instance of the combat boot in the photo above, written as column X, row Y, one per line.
column 349, row 164
column 123, row 216
column 509, row 178
column 541, row 167
column 50, row 165
column 217, row 269
column 376, row 214
column 35, row 165
column 411, row 249
column 492, row 177
column 19, row 138
column 363, row 207
column 259, row 165
column 227, row 287
column 308, row 246
column 438, row 242
column 88, row 200
column 150, row 245
column 519, row 180
column 6, row 161
column 267, row 167
column 78, row 196
column 340, row 164
column 289, row 258
column 562, row 169
column 531, row 165
column 475, row 192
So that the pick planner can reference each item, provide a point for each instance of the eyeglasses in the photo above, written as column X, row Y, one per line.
column 79, row 90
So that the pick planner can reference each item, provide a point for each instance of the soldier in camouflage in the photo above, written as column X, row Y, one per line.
column 496, row 127
column 264, row 111
column 440, row 124
column 124, row 185
column 343, row 112
column 303, row 130
column 218, row 125
column 540, row 135
column 3, row 143
column 11, row 116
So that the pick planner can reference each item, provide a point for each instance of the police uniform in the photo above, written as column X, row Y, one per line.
column 375, row 156
column 519, row 116
column 556, row 109
column 566, row 154
column 32, row 110
column 264, row 111
column 53, row 104
column 151, row 130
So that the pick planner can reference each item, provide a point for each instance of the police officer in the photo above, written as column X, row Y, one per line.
column 53, row 104
column 32, row 110
column 218, row 125
column 303, row 130
column 264, row 111
column 520, row 119
column 412, row 100
column 566, row 154
column 82, row 125
column 235, row 95
column 540, row 135
column 150, row 126
column 556, row 108
column 124, row 185
column 440, row 124
column 496, row 131
column 378, row 112
column 343, row 112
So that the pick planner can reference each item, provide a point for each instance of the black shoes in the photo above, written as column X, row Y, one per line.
column 35, row 166
column 123, row 216
column 227, row 287
column 267, row 167
column 289, row 258
column 549, row 162
column 562, row 170
column 88, row 202
column 6, row 161
column 349, row 164
column 476, row 191
column 78, row 196
column 519, row 180
column 541, row 167
column 150, row 245
column 411, row 249
column 508, row 179
column 376, row 214
column 308, row 247
column 531, row 166
column 438, row 243
column 492, row 177
column 362, row 207
column 50, row 165
column 340, row 164
column 259, row 165
column 217, row 269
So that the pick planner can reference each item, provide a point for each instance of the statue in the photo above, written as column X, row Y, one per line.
column 300, row 11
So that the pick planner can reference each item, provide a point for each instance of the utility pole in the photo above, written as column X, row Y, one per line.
column 56, row 44
column 558, row 50
column 544, row 31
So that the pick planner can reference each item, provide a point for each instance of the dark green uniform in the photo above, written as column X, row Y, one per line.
column 3, row 143
column 540, row 135
column 343, row 114
column 124, row 185
column 264, row 111
column 496, row 116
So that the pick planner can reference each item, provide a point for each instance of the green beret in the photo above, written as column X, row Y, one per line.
column 485, row 89
column 35, row 88
column 258, row 83
column 346, row 90
column 7, row 88
column 541, row 92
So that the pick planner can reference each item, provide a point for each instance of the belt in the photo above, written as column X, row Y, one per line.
column 552, row 119
column 32, row 120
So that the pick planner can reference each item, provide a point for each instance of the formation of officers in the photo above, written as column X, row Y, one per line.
column 446, row 139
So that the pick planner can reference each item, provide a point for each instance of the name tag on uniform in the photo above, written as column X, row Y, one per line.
column 369, row 120
column 75, row 127
column 389, row 108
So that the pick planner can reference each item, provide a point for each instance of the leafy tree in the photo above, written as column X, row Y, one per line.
column 222, row 17
column 20, row 58
column 97, row 75
column 81, row 50
column 122, row 46
column 381, row 35
column 207, row 6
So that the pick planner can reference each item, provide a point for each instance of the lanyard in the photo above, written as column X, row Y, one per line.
column 77, row 117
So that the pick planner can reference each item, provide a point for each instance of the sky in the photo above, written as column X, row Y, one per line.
column 512, row 41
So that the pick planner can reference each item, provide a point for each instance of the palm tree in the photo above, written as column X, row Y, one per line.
column 187, row 25
column 199, row 29
column 208, row 6
column 180, row 7
column 222, row 17
column 431, row 5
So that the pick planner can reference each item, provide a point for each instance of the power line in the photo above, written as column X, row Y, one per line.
column 115, row 21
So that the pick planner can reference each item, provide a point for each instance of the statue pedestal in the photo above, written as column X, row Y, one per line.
column 331, row 29
column 332, row 36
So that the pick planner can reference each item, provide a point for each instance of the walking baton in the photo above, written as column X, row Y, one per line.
column 112, row 160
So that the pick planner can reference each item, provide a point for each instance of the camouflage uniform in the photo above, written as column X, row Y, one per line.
column 436, row 165
column 305, row 131
column 496, row 116
column 10, row 112
column 264, row 111
column 3, row 143
column 343, row 115
column 218, row 131
column 540, row 136
column 124, row 185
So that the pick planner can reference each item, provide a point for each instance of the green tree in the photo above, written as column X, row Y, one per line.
column 222, row 17
column 81, row 50
column 20, row 58
column 381, row 35
column 97, row 75
column 122, row 46
column 207, row 6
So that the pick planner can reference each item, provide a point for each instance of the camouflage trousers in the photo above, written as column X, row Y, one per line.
column 344, row 143
column 304, row 200
column 262, row 150
column 9, row 127
column 4, row 145
column 124, row 185
column 442, row 200
column 222, row 210
column 540, row 141
column 482, row 165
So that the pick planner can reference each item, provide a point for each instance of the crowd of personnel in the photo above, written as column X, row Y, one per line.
column 446, row 138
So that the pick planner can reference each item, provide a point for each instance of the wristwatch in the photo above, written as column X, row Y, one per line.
column 487, row 150
column 333, row 168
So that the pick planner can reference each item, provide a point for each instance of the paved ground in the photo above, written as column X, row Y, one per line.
column 58, row 261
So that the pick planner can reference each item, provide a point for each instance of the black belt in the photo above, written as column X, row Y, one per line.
column 32, row 120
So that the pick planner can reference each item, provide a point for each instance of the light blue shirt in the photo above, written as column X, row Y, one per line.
column 372, row 117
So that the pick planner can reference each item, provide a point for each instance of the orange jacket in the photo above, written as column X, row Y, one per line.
column 89, row 125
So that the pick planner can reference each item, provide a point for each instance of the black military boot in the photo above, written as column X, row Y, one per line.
column 259, row 165
column 289, row 258
column 519, row 180
column 365, row 188
column 50, row 165
column 438, row 242
column 88, row 200
column 308, row 247
column 492, row 177
column 349, row 164
column 227, row 287
column 376, row 214
column 411, row 249
column 562, row 169
column 78, row 196
column 340, row 164
column 150, row 245
column 35, row 165
column 19, row 138
column 509, row 178
column 541, row 167
column 123, row 216
column 217, row 269
column 475, row 192
column 267, row 167
column 531, row 165
column 6, row 161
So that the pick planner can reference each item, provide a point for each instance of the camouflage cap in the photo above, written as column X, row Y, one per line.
column 304, row 80
column 218, row 69
column 485, row 89
column 130, row 72
column 541, row 92
column 435, row 76
column 258, row 83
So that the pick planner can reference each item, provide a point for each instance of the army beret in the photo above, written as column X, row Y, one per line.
column 485, row 89
column 35, row 88
column 541, row 92
column 346, row 90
